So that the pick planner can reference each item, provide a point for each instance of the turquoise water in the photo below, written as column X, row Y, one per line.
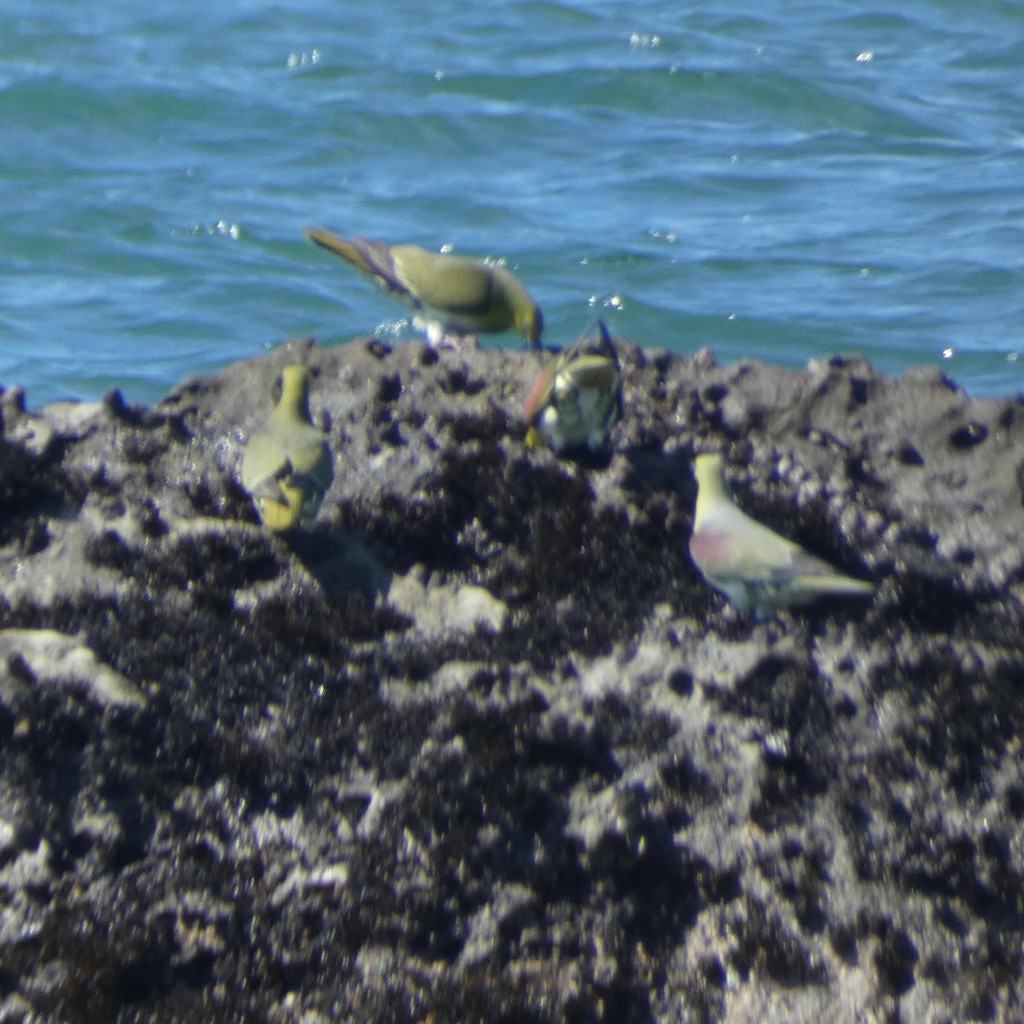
column 783, row 180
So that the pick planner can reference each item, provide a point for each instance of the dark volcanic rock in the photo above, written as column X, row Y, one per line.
column 481, row 745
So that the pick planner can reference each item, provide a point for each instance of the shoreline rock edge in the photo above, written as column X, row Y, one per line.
column 481, row 744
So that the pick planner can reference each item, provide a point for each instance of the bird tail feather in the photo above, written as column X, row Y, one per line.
column 340, row 247
column 836, row 584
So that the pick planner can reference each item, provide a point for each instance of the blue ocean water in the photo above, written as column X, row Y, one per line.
column 782, row 180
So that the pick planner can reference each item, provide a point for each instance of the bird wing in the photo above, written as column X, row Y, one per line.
column 451, row 284
column 540, row 393
column 377, row 259
column 368, row 255
column 264, row 464
column 737, row 547
column 591, row 345
column 270, row 458
column 314, row 463
column 762, row 559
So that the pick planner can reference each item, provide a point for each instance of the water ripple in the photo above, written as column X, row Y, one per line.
column 784, row 182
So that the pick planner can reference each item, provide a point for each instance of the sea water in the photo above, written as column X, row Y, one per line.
column 777, row 180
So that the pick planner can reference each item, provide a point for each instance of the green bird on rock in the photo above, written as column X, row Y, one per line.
column 287, row 467
column 577, row 397
column 451, row 296
column 757, row 569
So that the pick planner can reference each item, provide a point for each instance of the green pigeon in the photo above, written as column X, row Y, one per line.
column 754, row 567
column 451, row 296
column 287, row 466
column 577, row 398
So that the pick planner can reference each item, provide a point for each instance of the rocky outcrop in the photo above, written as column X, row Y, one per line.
column 481, row 744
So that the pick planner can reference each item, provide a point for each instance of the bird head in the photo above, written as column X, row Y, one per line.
column 294, row 399
column 709, row 471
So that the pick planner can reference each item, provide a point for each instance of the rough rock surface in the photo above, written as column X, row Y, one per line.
column 481, row 745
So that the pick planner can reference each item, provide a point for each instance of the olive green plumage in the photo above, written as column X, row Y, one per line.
column 287, row 466
column 451, row 295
